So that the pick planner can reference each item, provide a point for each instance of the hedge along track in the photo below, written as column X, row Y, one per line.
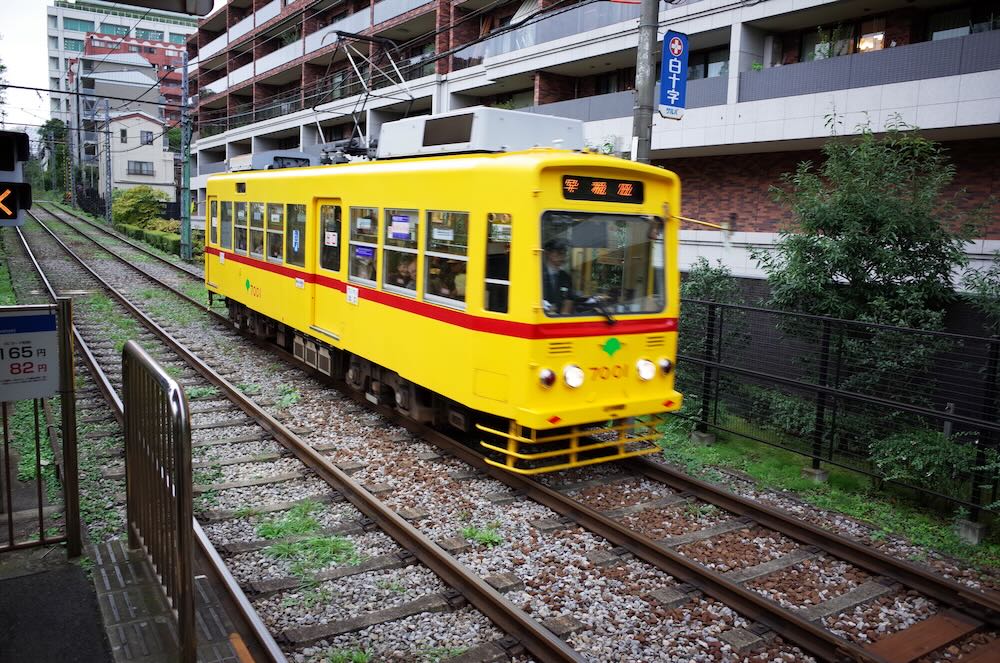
column 978, row 606
column 523, row 630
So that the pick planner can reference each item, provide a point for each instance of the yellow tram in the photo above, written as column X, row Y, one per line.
column 528, row 296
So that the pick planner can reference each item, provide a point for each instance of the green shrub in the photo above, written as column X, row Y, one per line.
column 165, row 241
column 923, row 457
column 139, row 206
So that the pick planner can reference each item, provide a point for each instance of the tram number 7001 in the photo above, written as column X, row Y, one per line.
column 607, row 372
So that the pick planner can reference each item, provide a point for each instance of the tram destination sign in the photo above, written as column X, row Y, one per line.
column 577, row 187
column 29, row 353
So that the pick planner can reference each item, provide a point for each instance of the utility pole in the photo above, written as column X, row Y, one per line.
column 185, row 164
column 107, row 161
column 74, row 158
column 645, row 80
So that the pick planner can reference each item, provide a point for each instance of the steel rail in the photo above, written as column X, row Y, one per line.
column 984, row 606
column 537, row 639
column 209, row 557
column 816, row 640
column 125, row 240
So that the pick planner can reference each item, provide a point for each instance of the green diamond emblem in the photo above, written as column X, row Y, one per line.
column 247, row 284
column 611, row 346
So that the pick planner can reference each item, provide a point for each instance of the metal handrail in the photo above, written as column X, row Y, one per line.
column 158, row 482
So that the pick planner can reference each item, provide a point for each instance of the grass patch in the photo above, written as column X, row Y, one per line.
column 122, row 328
column 488, row 536
column 846, row 492
column 315, row 553
column 437, row 654
column 348, row 656
column 6, row 288
column 391, row 586
column 163, row 305
column 201, row 392
column 298, row 521
column 287, row 397
column 22, row 431
column 249, row 388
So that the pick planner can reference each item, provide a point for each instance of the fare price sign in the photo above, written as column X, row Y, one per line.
column 29, row 353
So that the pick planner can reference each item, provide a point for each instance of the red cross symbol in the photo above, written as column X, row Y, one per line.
column 676, row 46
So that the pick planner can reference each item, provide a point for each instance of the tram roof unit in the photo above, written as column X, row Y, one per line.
column 478, row 129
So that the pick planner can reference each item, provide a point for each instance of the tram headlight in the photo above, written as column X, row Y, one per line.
column 666, row 365
column 547, row 377
column 646, row 369
column 573, row 375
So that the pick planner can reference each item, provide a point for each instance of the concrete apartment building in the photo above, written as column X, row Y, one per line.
column 69, row 22
column 765, row 78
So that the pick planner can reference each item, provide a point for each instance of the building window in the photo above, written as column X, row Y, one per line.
column 53, row 83
column 821, row 43
column 54, row 64
column 123, row 133
column 112, row 29
column 140, row 168
column 146, row 137
column 708, row 64
column 447, row 255
column 53, row 43
column 399, row 255
column 151, row 35
column 177, row 39
column 872, row 36
column 615, row 81
column 953, row 23
column 72, row 44
column 77, row 25
column 213, row 212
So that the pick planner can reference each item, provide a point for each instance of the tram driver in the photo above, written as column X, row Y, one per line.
column 557, row 285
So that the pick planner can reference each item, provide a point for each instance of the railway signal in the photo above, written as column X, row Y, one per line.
column 15, row 194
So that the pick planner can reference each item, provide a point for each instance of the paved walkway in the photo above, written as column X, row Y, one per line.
column 50, row 611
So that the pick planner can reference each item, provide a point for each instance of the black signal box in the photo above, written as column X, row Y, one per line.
column 15, row 194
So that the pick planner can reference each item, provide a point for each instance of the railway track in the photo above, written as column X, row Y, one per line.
column 703, row 518
column 355, row 535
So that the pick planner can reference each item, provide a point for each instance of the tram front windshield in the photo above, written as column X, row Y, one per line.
column 601, row 264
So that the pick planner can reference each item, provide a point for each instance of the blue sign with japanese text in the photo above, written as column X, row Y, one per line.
column 673, row 75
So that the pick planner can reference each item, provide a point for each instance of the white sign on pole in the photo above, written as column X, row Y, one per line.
column 29, row 353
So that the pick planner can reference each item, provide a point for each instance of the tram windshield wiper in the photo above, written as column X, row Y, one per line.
column 602, row 309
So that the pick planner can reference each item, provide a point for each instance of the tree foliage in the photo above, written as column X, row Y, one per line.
column 138, row 206
column 875, row 239
column 983, row 291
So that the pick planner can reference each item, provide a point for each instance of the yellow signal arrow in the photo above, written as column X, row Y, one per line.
column 3, row 196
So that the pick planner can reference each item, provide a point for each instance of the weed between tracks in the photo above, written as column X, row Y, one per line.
column 310, row 555
column 845, row 492
column 488, row 536
column 298, row 521
column 349, row 656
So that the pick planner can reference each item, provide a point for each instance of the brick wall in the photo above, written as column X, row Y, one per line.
column 550, row 88
column 715, row 187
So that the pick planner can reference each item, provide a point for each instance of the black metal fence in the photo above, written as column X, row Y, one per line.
column 913, row 407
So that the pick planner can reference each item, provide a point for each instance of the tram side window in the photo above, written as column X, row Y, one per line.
column 447, row 257
column 214, row 222
column 400, row 251
column 362, row 261
column 226, row 240
column 240, row 234
column 257, row 230
column 295, row 238
column 498, row 227
column 329, row 229
column 275, row 231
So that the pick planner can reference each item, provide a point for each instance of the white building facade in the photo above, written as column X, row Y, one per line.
column 140, row 154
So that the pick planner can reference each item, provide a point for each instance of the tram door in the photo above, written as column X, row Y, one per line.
column 212, row 237
column 328, row 300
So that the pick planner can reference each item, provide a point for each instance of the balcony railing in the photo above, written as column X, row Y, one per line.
column 268, row 11
column 930, row 59
column 388, row 9
column 213, row 47
column 573, row 22
column 279, row 57
column 282, row 105
column 241, row 28
column 356, row 22
column 242, row 74
column 208, row 168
